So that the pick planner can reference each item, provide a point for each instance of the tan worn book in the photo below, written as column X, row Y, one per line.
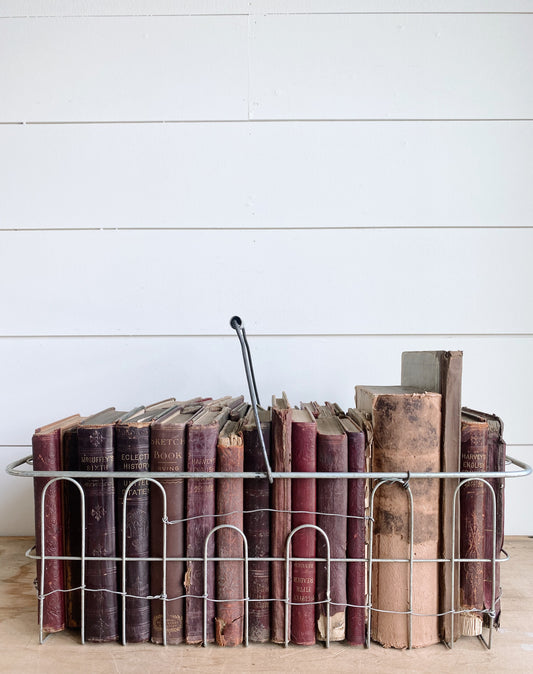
column 406, row 437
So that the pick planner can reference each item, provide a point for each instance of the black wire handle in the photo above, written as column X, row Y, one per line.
column 237, row 325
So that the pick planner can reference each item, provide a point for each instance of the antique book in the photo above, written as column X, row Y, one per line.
column 202, row 438
column 167, row 454
column 281, row 512
column 229, row 620
column 96, row 448
column 441, row 371
column 332, row 509
column 406, row 437
column 494, row 510
column 303, row 495
column 132, row 454
column 355, row 539
column 474, row 458
column 257, row 524
column 47, row 455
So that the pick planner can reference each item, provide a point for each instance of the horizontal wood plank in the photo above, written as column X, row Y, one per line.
column 390, row 174
column 412, row 281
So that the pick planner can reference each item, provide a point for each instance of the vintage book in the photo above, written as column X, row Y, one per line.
column 229, row 621
column 441, row 371
column 96, row 447
column 332, row 508
column 406, row 437
column 47, row 455
column 493, row 520
column 132, row 454
column 303, row 494
column 202, row 438
column 474, row 458
column 281, row 512
column 257, row 524
column 355, row 540
column 167, row 454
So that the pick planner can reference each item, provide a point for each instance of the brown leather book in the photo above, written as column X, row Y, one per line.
column 167, row 454
column 96, row 446
column 332, row 508
column 406, row 437
column 257, row 525
column 495, row 463
column 229, row 621
column 441, row 371
column 303, row 494
column 474, row 458
column 281, row 512
column 46, row 452
column 202, row 438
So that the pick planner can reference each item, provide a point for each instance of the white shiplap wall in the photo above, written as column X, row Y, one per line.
column 353, row 178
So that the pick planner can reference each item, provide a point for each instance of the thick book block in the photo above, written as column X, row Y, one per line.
column 46, row 453
column 303, row 494
column 257, row 525
column 406, row 437
column 332, row 508
column 230, row 575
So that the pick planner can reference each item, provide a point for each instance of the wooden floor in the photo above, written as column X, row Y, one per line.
column 512, row 649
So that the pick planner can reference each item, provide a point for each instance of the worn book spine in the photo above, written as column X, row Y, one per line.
column 201, row 457
column 96, row 454
column 355, row 549
column 303, row 494
column 281, row 517
column 46, row 451
column 71, row 531
column 167, row 454
column 257, row 531
column 133, row 454
column 229, row 575
column 474, row 458
column 406, row 437
column 332, row 508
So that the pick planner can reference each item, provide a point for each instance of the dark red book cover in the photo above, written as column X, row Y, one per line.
column 229, row 543
column 202, row 438
column 257, row 525
column 303, row 493
column 132, row 453
column 332, row 507
column 281, row 513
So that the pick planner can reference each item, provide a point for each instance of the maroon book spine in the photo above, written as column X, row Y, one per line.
column 133, row 454
column 281, row 517
column 201, row 457
column 332, row 507
column 229, row 575
column 96, row 454
column 47, row 456
column 474, row 439
column 257, row 531
column 355, row 585
column 72, row 531
column 304, row 541
column 167, row 447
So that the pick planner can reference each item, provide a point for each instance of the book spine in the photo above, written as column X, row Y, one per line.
column 496, row 463
column 96, row 454
column 132, row 454
column 46, row 456
column 201, row 457
column 229, row 575
column 303, row 494
column 474, row 458
column 356, row 527
column 71, row 531
column 281, row 518
column 332, row 507
column 167, row 454
column 257, row 530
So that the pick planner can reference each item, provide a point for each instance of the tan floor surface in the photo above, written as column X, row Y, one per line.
column 512, row 649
